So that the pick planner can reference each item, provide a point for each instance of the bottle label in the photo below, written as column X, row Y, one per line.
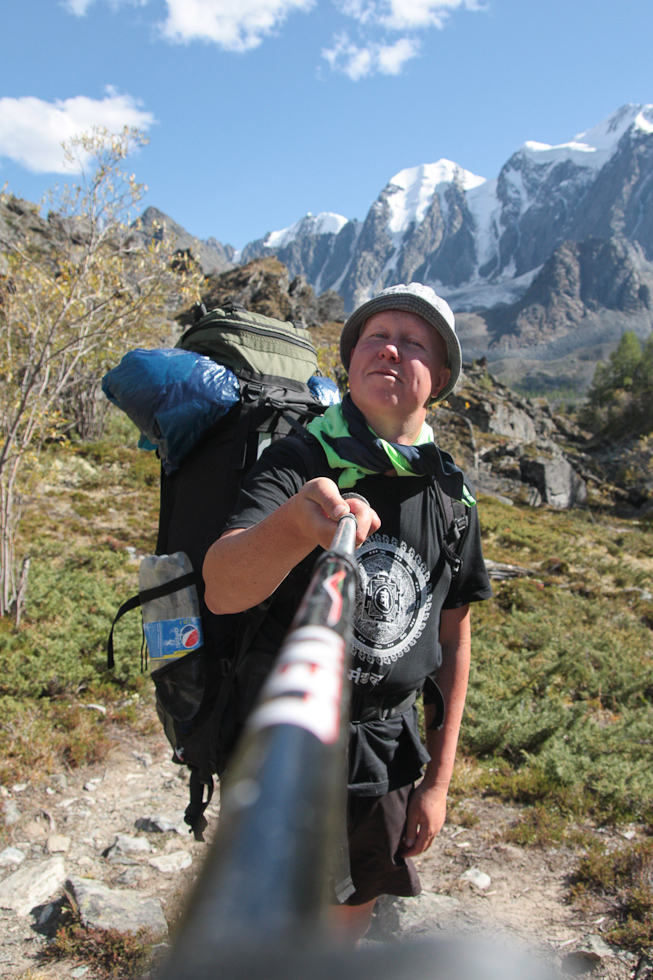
column 169, row 639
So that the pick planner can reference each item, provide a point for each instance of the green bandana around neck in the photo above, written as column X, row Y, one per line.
column 361, row 452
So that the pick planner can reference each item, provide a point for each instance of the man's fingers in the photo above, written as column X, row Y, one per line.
column 411, row 830
column 325, row 493
column 368, row 520
column 414, row 843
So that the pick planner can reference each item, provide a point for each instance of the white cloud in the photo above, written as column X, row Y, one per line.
column 240, row 25
column 235, row 25
column 401, row 15
column 359, row 62
column 380, row 17
column 31, row 130
column 392, row 57
column 79, row 7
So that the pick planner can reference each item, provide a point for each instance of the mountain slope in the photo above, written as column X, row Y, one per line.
column 480, row 242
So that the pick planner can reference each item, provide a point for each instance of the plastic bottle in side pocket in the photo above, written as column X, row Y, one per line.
column 173, row 632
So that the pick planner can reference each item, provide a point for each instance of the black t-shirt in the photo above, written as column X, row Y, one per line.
column 395, row 643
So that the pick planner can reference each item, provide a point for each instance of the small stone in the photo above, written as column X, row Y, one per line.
column 58, row 844
column 11, row 856
column 12, row 813
column 79, row 971
column 144, row 758
column 60, row 779
column 408, row 918
column 131, row 845
column 46, row 914
column 162, row 823
column 19, row 787
column 105, row 908
column 115, row 857
column 91, row 785
column 132, row 876
column 508, row 852
column 171, row 863
column 478, row 878
column 595, row 947
column 31, row 886
column 629, row 834
column 49, row 791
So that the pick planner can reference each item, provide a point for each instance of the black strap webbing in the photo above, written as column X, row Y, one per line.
column 174, row 585
column 194, row 813
column 433, row 695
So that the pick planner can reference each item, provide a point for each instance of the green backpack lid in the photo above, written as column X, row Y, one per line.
column 252, row 345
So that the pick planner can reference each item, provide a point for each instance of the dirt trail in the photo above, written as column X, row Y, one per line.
column 78, row 818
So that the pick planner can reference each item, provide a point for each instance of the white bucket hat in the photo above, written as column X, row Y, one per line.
column 413, row 298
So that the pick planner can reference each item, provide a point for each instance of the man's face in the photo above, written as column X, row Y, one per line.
column 398, row 365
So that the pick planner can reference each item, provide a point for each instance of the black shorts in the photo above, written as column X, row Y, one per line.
column 375, row 826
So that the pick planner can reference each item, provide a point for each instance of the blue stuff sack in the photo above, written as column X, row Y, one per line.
column 173, row 396
column 324, row 389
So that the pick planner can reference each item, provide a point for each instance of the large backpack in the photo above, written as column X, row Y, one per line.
column 274, row 361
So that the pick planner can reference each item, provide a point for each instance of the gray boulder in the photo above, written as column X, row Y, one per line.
column 32, row 885
column 100, row 907
column 555, row 479
column 406, row 918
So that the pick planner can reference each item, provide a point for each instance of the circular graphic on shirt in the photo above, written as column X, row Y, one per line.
column 392, row 599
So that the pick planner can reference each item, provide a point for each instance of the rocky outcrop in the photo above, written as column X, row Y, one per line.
column 263, row 286
column 210, row 254
column 577, row 283
column 518, row 449
column 555, row 479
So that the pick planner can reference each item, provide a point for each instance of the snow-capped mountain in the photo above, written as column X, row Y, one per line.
column 545, row 265
column 482, row 242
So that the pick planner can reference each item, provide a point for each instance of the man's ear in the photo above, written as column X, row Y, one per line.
column 443, row 380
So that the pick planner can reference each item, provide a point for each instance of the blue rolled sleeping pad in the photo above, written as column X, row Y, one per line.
column 325, row 390
column 173, row 396
column 176, row 396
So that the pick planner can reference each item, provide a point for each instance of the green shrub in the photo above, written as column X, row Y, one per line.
column 560, row 701
column 623, row 881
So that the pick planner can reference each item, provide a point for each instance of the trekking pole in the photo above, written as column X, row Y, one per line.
column 265, row 876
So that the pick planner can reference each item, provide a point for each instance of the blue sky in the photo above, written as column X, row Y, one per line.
column 259, row 111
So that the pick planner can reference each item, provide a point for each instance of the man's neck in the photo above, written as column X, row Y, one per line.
column 404, row 432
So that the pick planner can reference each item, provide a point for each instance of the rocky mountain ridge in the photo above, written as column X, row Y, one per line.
column 445, row 226
column 546, row 266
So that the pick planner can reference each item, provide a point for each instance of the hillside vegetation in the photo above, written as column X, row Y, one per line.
column 560, row 705
column 560, row 709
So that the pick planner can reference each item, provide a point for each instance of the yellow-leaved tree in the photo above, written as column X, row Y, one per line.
column 76, row 292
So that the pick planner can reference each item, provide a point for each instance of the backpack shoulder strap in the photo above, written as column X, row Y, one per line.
column 456, row 521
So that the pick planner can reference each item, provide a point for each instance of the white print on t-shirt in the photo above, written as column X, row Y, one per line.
column 393, row 600
column 359, row 676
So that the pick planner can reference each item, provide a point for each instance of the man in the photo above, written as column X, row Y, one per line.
column 412, row 611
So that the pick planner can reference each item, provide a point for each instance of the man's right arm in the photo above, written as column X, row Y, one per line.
column 246, row 565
